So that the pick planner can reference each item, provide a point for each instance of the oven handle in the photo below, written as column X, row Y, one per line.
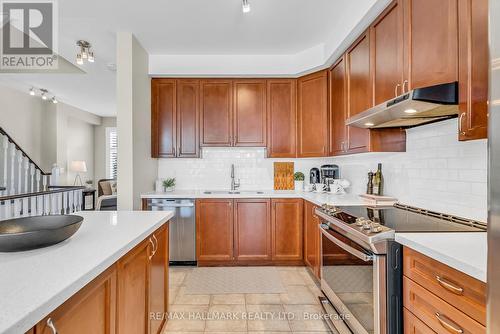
column 359, row 254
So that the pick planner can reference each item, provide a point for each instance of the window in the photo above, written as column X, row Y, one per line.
column 111, row 153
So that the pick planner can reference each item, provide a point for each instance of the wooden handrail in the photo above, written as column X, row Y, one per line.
column 2, row 131
column 39, row 193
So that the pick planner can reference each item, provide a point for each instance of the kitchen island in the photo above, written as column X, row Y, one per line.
column 35, row 283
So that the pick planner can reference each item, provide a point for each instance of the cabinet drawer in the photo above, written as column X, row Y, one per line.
column 436, row 313
column 414, row 325
column 460, row 290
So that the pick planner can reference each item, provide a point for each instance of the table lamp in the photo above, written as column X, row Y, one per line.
column 78, row 166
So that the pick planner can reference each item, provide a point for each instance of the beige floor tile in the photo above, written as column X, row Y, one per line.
column 185, row 299
column 316, row 290
column 226, row 318
column 267, row 318
column 186, row 318
column 298, row 294
column 229, row 299
column 306, row 318
column 176, row 277
column 308, row 277
column 293, row 278
column 262, row 298
column 288, row 268
column 172, row 293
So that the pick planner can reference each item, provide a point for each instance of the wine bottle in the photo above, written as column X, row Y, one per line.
column 378, row 182
column 369, row 186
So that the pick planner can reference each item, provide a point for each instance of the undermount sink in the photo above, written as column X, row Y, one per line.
column 233, row 192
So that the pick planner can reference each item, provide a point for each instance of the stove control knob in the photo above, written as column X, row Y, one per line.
column 360, row 221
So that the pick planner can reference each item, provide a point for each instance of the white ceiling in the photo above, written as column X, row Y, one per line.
column 189, row 29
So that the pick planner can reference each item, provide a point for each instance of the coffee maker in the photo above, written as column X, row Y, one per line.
column 314, row 176
column 328, row 174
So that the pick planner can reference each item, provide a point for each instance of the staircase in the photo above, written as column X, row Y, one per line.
column 24, row 186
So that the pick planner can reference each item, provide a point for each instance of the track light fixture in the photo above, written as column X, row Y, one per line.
column 85, row 52
column 32, row 91
column 44, row 94
column 245, row 6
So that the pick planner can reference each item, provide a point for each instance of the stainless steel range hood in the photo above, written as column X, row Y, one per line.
column 417, row 107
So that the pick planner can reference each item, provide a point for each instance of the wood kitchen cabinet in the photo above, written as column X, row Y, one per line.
column 158, row 278
column 287, row 229
column 312, row 115
column 174, row 118
column 338, row 106
column 216, row 112
column 282, row 118
column 91, row 310
column 252, row 229
column 311, row 238
column 250, row 116
column 214, row 230
column 473, row 69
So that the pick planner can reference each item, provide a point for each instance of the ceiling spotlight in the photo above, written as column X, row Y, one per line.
column 245, row 6
column 85, row 52
column 44, row 93
column 369, row 124
column 32, row 91
column 54, row 100
column 410, row 111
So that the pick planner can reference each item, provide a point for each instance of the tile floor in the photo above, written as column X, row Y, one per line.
column 294, row 311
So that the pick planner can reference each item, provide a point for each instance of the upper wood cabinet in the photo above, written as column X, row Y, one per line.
column 214, row 230
column 282, row 118
column 158, row 279
column 338, row 105
column 287, row 229
column 473, row 69
column 386, row 36
column 174, row 118
column 252, row 229
column 431, row 42
column 249, row 113
column 216, row 112
column 312, row 115
column 163, row 118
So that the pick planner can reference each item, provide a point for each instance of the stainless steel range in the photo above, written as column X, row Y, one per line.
column 361, row 264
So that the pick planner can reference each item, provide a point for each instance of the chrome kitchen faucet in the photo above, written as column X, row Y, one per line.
column 234, row 184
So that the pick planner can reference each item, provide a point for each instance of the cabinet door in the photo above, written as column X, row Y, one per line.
column 287, row 229
column 132, row 306
column 338, row 129
column 386, row 39
column 158, row 279
column 252, row 229
column 188, row 134
column 359, row 91
column 249, row 113
column 214, row 230
column 281, row 120
column 311, row 238
column 414, row 325
column 473, row 69
column 163, row 118
column 91, row 310
column 216, row 112
column 312, row 115
column 431, row 42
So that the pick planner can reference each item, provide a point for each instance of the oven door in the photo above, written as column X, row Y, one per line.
column 353, row 279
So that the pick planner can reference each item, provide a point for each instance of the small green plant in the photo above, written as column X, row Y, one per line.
column 169, row 183
column 298, row 176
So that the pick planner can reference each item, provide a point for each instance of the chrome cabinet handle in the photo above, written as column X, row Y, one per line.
column 460, row 124
column 396, row 90
column 449, row 286
column 174, row 151
column 404, row 85
column 51, row 325
column 153, row 250
column 353, row 251
column 448, row 324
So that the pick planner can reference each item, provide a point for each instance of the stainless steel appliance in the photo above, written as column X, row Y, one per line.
column 329, row 173
column 361, row 264
column 314, row 176
column 182, row 229
column 493, row 320
column 416, row 107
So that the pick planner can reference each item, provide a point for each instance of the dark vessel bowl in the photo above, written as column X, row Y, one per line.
column 21, row 234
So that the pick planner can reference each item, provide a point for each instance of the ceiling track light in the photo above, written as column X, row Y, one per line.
column 54, row 100
column 32, row 91
column 44, row 93
column 245, row 6
column 85, row 52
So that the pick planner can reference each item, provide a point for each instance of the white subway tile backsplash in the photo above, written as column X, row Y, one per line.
column 436, row 172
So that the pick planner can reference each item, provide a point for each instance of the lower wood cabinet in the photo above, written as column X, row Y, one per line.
column 249, row 231
column 311, row 238
column 121, row 299
column 413, row 325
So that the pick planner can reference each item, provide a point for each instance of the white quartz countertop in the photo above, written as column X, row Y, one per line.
column 316, row 198
column 34, row 283
column 464, row 251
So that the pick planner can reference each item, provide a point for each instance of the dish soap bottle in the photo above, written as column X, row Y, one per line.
column 378, row 182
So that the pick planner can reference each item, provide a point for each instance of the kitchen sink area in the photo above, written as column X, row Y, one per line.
column 233, row 192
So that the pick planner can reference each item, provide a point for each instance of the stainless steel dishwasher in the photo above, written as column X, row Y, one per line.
column 182, row 228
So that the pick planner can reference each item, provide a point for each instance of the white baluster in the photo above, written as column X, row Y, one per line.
column 19, row 171
column 71, row 202
column 7, row 209
column 26, row 166
column 12, row 152
column 17, row 208
column 78, row 200
column 5, row 147
column 45, row 182
column 65, row 202
column 39, row 205
column 2, row 210
column 32, row 178
column 38, row 176
column 33, row 211
column 46, row 204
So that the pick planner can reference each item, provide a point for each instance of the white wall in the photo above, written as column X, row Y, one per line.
column 79, row 146
column 100, row 147
column 437, row 172
column 136, row 169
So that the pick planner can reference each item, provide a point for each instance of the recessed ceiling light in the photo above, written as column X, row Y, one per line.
column 245, row 6
column 410, row 111
column 369, row 124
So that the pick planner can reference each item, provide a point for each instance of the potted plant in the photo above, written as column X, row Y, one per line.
column 169, row 184
column 299, row 181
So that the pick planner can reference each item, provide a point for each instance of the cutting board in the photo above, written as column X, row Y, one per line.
column 283, row 176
